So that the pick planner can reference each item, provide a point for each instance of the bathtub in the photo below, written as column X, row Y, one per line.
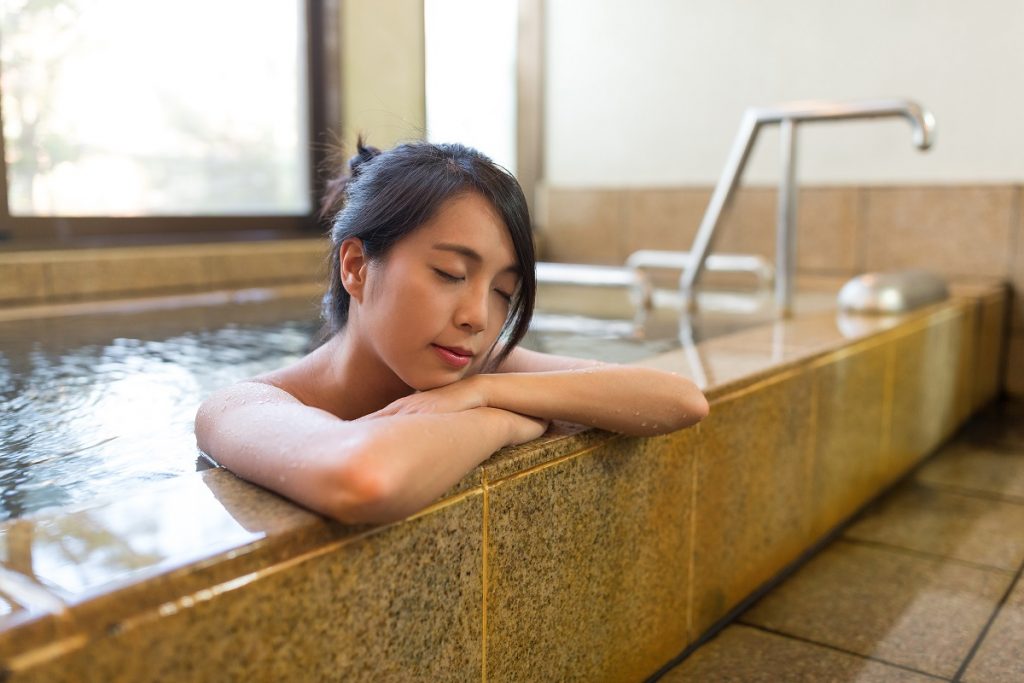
column 583, row 555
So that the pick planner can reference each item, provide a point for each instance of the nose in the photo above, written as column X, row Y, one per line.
column 472, row 312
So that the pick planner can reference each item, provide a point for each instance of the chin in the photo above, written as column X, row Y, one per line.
column 428, row 383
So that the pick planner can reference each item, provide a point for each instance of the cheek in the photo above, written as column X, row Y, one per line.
column 498, row 316
column 419, row 309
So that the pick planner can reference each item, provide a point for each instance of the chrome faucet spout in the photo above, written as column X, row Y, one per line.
column 924, row 125
column 921, row 120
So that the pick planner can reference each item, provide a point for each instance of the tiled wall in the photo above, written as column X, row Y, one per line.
column 953, row 230
column 60, row 276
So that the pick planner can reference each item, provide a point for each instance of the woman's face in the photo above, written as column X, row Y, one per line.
column 435, row 304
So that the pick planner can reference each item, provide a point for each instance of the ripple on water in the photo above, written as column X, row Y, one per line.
column 85, row 420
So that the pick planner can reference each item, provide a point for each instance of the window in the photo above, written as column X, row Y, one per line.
column 471, row 75
column 125, row 117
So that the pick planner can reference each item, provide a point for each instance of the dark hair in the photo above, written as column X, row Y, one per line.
column 387, row 195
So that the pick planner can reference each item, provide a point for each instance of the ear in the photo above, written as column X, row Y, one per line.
column 353, row 267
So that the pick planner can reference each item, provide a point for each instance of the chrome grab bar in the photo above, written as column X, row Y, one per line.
column 760, row 267
column 633, row 277
column 598, row 276
column 787, row 115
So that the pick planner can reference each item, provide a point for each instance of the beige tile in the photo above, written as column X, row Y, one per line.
column 999, row 426
column 753, row 498
column 403, row 603
column 969, row 383
column 926, row 388
column 990, row 348
column 1017, row 266
column 560, row 440
column 802, row 335
column 900, row 608
column 828, row 224
column 956, row 526
column 1000, row 658
column 21, row 281
column 108, row 560
column 724, row 364
column 950, row 230
column 584, row 226
column 748, row 225
column 668, row 218
column 742, row 653
column 96, row 273
column 849, row 466
column 991, row 470
column 29, row 613
column 665, row 218
column 264, row 264
column 1015, row 364
column 717, row 371
column 588, row 563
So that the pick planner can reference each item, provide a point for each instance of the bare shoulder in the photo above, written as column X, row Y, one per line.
column 525, row 360
column 254, row 389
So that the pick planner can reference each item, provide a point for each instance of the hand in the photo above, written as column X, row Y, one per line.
column 525, row 428
column 464, row 394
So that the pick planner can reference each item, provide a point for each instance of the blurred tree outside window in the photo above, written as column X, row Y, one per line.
column 145, row 108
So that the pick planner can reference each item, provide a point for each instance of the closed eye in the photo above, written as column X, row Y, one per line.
column 506, row 297
column 447, row 276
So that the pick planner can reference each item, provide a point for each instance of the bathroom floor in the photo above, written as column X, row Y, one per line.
column 924, row 585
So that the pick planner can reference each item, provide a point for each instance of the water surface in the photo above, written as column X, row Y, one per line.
column 93, row 405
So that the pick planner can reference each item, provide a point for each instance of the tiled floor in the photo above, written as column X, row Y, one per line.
column 925, row 585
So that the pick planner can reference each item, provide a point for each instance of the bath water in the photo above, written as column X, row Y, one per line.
column 94, row 405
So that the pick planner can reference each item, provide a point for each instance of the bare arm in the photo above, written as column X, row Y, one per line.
column 621, row 398
column 367, row 470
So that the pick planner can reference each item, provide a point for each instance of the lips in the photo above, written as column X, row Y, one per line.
column 456, row 356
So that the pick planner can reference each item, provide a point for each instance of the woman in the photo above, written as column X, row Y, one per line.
column 418, row 377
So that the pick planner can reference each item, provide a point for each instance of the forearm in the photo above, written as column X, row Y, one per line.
column 620, row 398
column 373, row 469
column 416, row 458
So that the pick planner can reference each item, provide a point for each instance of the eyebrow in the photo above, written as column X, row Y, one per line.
column 471, row 254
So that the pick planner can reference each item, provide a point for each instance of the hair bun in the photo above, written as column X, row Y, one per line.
column 366, row 153
column 335, row 187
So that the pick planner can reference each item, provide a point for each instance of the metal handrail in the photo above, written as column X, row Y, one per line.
column 586, row 275
column 787, row 115
column 754, row 264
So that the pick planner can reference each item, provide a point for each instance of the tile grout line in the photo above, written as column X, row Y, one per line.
column 1015, row 237
column 861, row 239
column 888, row 382
column 691, row 561
column 980, row 494
column 520, row 474
column 734, row 614
column 1003, row 447
column 484, row 535
column 811, row 455
column 899, row 549
column 836, row 648
column 988, row 625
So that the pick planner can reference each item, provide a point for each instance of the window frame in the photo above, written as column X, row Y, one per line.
column 323, row 99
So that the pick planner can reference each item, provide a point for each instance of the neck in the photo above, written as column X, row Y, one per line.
column 350, row 380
